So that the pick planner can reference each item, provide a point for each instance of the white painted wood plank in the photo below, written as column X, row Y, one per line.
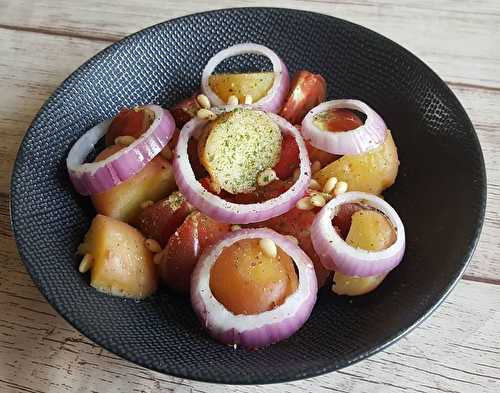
column 459, row 40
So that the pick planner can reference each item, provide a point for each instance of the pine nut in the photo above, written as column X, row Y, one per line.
column 203, row 101
column 235, row 227
column 330, row 184
column 124, row 140
column 315, row 167
column 152, row 245
column 233, row 100
column 304, row 204
column 266, row 177
column 86, row 263
column 206, row 114
column 296, row 174
column 166, row 153
column 146, row 204
column 318, row 200
column 248, row 99
column 292, row 239
column 340, row 188
column 314, row 185
column 269, row 248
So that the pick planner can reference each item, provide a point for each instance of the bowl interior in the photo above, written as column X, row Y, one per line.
column 439, row 193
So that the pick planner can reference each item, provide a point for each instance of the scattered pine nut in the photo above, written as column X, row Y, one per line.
column 330, row 184
column 203, row 101
column 316, row 166
column 86, row 263
column 248, row 99
column 304, row 204
column 235, row 227
column 314, row 185
column 124, row 140
column 296, row 174
column 206, row 114
column 327, row 196
column 292, row 239
column 340, row 188
column 166, row 153
column 318, row 200
column 146, row 204
column 268, row 246
column 266, row 177
column 233, row 100
column 152, row 245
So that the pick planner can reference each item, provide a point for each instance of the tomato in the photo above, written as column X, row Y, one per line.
column 179, row 257
column 185, row 110
column 289, row 158
column 131, row 122
column 307, row 90
column 261, row 194
column 248, row 281
column 336, row 120
column 161, row 220
column 298, row 223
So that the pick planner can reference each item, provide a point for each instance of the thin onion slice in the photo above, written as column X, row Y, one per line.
column 336, row 254
column 276, row 95
column 258, row 330
column 229, row 212
column 357, row 141
column 94, row 177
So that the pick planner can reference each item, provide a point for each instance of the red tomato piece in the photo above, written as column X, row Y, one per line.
column 289, row 158
column 307, row 90
column 132, row 122
column 161, row 220
column 185, row 110
column 339, row 120
column 179, row 257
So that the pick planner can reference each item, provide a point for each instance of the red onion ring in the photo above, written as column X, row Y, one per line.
column 357, row 141
column 94, row 177
column 276, row 95
column 234, row 213
column 336, row 254
column 253, row 331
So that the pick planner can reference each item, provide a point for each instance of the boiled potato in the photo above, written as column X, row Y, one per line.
column 237, row 146
column 256, row 84
column 123, row 202
column 371, row 172
column 121, row 264
column 370, row 230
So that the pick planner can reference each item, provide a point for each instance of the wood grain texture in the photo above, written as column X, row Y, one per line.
column 462, row 50
column 456, row 350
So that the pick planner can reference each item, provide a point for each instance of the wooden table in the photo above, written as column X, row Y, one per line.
column 456, row 350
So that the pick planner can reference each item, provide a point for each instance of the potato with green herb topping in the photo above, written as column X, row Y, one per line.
column 237, row 146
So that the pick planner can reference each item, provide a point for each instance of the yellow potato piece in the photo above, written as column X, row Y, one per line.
column 123, row 202
column 371, row 172
column 371, row 231
column 122, row 265
column 256, row 84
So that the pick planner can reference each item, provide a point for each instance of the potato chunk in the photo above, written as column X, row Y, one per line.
column 256, row 84
column 122, row 265
column 237, row 146
column 123, row 202
column 371, row 172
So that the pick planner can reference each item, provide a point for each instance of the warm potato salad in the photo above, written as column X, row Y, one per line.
column 247, row 196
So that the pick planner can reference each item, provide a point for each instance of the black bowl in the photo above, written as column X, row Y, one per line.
column 439, row 193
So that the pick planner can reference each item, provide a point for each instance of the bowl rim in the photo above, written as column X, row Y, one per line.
column 307, row 372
